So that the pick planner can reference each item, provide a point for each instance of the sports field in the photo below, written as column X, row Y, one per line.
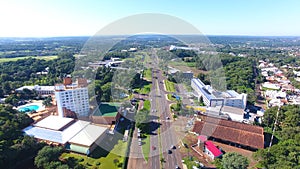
column 108, row 109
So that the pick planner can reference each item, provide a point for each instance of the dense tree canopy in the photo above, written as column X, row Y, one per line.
column 14, row 146
column 285, row 154
column 234, row 161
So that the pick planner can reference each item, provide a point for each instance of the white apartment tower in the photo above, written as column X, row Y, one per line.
column 73, row 97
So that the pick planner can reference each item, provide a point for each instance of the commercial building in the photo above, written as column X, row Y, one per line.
column 72, row 97
column 214, row 98
column 75, row 135
column 40, row 90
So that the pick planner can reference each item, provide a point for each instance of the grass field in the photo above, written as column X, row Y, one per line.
column 148, row 74
column 108, row 109
column 26, row 57
column 146, row 146
column 102, row 162
column 145, row 90
column 170, row 86
column 147, row 105
column 182, row 63
column 171, row 98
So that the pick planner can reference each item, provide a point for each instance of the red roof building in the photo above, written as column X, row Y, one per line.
column 211, row 150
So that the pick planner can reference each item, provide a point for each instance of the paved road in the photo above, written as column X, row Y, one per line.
column 161, row 141
column 167, row 133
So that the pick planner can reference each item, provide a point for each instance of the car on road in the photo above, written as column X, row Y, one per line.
column 173, row 147
column 169, row 151
column 153, row 148
column 168, row 118
column 177, row 167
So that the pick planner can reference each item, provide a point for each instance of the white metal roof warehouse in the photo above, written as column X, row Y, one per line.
column 65, row 131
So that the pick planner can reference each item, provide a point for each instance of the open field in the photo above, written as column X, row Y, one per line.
column 102, row 162
column 146, row 146
column 26, row 57
column 148, row 74
column 147, row 105
column 170, row 97
column 170, row 86
column 145, row 90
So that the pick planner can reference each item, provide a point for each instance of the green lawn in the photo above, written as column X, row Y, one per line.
column 182, row 63
column 171, row 98
column 145, row 90
column 146, row 146
column 147, row 74
column 116, row 154
column 147, row 105
column 170, row 86
column 26, row 57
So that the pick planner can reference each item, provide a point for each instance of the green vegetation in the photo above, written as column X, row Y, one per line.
column 48, row 157
column 141, row 119
column 170, row 97
column 145, row 89
column 114, row 159
column 147, row 105
column 146, row 146
column 190, row 162
column 170, row 86
column 176, row 106
column 284, row 152
column 147, row 74
column 182, row 63
column 27, row 57
column 24, row 72
column 232, row 160
column 15, row 147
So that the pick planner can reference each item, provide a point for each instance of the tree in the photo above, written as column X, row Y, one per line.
column 47, row 155
column 141, row 119
column 47, row 102
column 234, row 161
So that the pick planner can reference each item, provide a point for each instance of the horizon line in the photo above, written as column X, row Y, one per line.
column 73, row 36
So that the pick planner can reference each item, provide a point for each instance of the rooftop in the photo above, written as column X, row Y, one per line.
column 244, row 134
column 88, row 135
column 233, row 110
column 212, row 148
column 54, row 135
column 54, row 122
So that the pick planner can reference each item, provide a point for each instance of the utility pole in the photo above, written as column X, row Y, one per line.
column 274, row 128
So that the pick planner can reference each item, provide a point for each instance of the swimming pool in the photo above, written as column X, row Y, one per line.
column 29, row 108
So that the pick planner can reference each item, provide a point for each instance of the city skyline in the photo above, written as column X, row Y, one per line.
column 78, row 18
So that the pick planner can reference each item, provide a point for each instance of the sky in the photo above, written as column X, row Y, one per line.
column 44, row 18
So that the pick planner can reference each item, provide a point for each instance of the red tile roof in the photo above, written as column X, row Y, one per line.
column 240, row 133
column 212, row 148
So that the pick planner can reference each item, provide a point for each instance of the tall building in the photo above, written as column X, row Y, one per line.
column 214, row 98
column 72, row 97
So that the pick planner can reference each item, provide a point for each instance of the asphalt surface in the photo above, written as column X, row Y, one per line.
column 167, row 134
column 163, row 135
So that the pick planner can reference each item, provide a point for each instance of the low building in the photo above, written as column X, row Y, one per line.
column 87, row 139
column 229, row 132
column 270, row 86
column 235, row 114
column 211, row 150
column 75, row 135
column 40, row 90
